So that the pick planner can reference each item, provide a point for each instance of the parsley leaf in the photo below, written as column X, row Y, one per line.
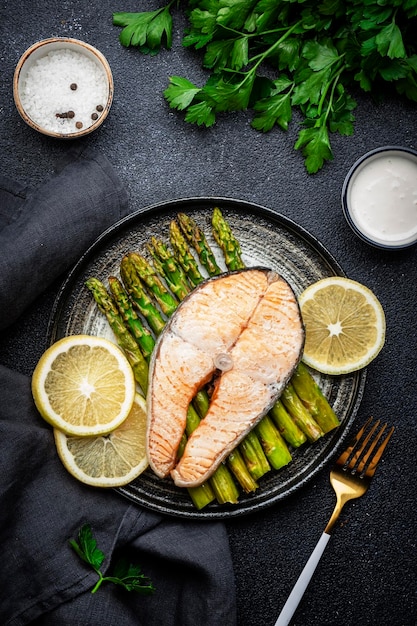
column 201, row 114
column 204, row 20
column 229, row 96
column 148, row 30
column 86, row 548
column 276, row 109
column 130, row 577
column 180, row 93
column 315, row 146
column 125, row 574
column 218, row 54
column 389, row 42
column 240, row 56
column 234, row 13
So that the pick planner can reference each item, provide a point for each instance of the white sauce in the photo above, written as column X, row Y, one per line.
column 383, row 198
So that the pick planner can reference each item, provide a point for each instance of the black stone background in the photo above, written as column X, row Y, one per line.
column 367, row 576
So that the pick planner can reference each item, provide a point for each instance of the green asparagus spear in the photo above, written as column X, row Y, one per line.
column 226, row 240
column 254, row 456
column 154, row 284
column 300, row 414
column 202, row 495
column 131, row 319
column 225, row 489
column 169, row 268
column 139, row 296
column 313, row 399
column 292, row 434
column 181, row 447
column 183, row 254
column 125, row 340
column 276, row 449
column 237, row 465
column 196, row 237
column 201, row 402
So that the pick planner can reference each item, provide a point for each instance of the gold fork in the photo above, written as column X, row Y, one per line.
column 350, row 478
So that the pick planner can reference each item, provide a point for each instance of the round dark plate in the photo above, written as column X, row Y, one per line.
column 266, row 239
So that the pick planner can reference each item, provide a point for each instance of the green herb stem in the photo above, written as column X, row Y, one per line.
column 264, row 55
column 332, row 83
column 100, row 580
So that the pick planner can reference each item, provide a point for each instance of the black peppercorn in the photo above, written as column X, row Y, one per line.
column 94, row 116
column 79, row 124
column 73, row 86
column 99, row 107
column 71, row 114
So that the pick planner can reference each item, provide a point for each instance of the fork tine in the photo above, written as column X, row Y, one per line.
column 367, row 456
column 364, row 443
column 372, row 466
column 344, row 457
column 356, row 456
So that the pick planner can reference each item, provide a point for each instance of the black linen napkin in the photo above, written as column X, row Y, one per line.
column 42, row 580
column 43, row 232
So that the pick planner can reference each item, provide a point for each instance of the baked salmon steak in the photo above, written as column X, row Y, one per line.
column 244, row 330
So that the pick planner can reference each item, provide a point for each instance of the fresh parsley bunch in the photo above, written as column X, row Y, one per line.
column 273, row 56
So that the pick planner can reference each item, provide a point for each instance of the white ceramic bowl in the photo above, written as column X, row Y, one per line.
column 379, row 197
column 63, row 87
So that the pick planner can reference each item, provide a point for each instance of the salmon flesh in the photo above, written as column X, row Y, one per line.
column 244, row 326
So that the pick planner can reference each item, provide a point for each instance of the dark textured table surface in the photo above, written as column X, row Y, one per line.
column 368, row 573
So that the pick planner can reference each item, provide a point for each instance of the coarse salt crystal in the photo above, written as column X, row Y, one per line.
column 46, row 92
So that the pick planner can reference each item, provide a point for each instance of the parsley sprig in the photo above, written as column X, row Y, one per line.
column 275, row 56
column 125, row 574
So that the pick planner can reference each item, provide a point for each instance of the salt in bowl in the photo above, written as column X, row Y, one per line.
column 63, row 87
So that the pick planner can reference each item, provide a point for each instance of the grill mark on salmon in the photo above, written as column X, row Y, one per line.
column 251, row 315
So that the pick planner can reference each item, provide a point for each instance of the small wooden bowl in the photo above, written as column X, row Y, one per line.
column 39, row 52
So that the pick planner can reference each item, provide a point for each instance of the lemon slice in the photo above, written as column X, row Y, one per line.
column 345, row 325
column 109, row 460
column 83, row 385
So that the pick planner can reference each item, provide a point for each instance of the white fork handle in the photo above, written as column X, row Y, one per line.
column 302, row 583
